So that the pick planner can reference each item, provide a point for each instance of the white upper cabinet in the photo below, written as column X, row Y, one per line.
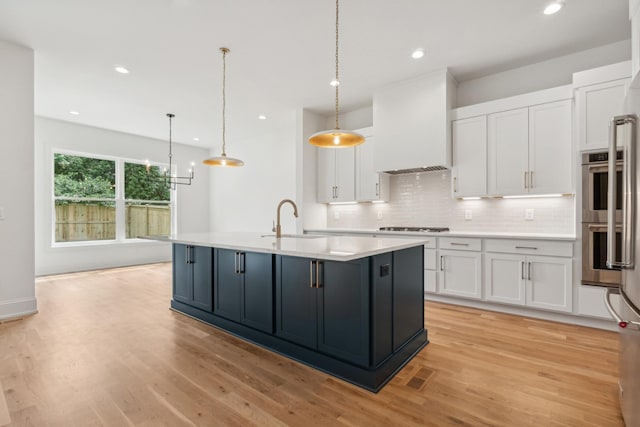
column 514, row 146
column 469, row 171
column 550, row 165
column 336, row 175
column 599, row 95
column 370, row 185
column 508, row 140
column 634, row 16
column 411, row 120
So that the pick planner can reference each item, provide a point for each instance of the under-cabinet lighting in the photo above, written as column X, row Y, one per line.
column 378, row 202
column 532, row 196
column 471, row 198
column 343, row 203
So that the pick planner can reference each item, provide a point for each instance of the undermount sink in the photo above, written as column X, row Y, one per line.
column 295, row 236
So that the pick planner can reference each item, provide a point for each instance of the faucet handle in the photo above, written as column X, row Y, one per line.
column 274, row 226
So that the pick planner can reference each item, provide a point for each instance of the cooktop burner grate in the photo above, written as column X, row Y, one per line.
column 414, row 229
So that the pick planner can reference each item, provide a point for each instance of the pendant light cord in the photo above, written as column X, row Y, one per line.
column 224, row 97
column 337, row 70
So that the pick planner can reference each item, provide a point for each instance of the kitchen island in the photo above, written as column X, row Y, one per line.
column 349, row 306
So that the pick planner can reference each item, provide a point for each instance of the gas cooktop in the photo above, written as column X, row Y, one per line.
column 423, row 229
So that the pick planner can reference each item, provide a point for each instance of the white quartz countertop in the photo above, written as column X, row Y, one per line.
column 478, row 234
column 335, row 248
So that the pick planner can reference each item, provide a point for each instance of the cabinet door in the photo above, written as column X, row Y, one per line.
column 469, row 171
column 370, row 185
column 202, row 264
column 345, row 174
column 182, row 274
column 596, row 105
column 227, row 284
column 549, row 283
column 257, row 291
column 326, row 174
column 296, row 300
column 550, row 160
column 505, row 278
column 461, row 274
column 343, row 310
column 508, row 137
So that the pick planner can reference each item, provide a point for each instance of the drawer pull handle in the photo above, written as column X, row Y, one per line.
column 527, row 247
column 458, row 244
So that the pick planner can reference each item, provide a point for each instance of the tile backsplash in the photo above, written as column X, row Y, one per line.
column 424, row 199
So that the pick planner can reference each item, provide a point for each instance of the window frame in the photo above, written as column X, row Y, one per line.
column 119, row 200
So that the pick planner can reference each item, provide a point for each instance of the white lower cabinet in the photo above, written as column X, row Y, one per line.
column 460, row 273
column 504, row 278
column 535, row 281
column 430, row 266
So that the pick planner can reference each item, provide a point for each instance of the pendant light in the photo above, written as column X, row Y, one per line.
column 170, row 180
column 336, row 138
column 223, row 160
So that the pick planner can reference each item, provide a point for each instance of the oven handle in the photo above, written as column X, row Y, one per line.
column 604, row 168
column 607, row 302
column 628, row 202
column 600, row 227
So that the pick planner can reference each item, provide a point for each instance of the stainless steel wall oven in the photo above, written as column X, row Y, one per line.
column 595, row 183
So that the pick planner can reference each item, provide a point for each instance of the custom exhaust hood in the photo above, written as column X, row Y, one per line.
column 412, row 124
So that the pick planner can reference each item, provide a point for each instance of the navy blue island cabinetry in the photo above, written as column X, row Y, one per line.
column 360, row 319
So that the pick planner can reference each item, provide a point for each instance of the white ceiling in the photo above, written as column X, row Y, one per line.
column 282, row 53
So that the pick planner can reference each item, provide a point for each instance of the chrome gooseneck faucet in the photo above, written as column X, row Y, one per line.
column 278, row 229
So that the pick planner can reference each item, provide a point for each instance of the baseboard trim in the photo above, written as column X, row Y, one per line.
column 569, row 318
column 17, row 308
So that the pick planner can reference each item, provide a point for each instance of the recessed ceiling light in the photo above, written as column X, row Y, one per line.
column 74, row 113
column 196, row 139
column 262, row 117
column 120, row 69
column 417, row 54
column 334, row 83
column 553, row 7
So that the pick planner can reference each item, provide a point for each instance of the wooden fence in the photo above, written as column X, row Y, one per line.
column 78, row 222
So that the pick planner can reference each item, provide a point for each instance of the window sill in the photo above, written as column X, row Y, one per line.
column 97, row 243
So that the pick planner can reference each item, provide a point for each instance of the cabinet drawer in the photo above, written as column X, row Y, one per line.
column 461, row 244
column 530, row 247
column 430, row 259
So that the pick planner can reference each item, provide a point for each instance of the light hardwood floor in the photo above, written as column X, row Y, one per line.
column 105, row 350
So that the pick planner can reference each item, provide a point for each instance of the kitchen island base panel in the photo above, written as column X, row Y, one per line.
column 372, row 380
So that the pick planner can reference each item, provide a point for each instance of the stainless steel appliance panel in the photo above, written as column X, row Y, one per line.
column 630, row 368
column 594, row 256
column 595, row 186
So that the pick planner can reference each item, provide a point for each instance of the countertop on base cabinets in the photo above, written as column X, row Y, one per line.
column 332, row 247
column 478, row 234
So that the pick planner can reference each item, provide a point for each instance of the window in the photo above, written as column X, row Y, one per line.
column 147, row 201
column 102, row 199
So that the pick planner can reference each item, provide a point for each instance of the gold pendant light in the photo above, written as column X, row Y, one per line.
column 223, row 159
column 336, row 138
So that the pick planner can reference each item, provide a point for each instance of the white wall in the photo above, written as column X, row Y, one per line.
column 354, row 119
column 192, row 203
column 542, row 75
column 424, row 199
column 17, row 286
column 246, row 198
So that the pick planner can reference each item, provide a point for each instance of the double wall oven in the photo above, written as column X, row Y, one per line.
column 595, row 182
